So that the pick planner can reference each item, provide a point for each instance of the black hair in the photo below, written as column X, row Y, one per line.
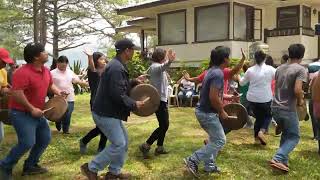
column 296, row 51
column 63, row 59
column 54, row 64
column 218, row 55
column 259, row 57
column 158, row 55
column 96, row 56
column 31, row 51
column 285, row 58
column 269, row 61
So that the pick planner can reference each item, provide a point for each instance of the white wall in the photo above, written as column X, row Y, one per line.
column 311, row 45
column 279, row 45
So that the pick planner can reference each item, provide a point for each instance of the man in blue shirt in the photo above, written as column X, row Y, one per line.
column 209, row 113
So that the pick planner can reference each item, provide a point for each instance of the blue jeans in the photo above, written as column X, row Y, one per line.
column 114, row 155
column 66, row 119
column 289, row 123
column 217, row 139
column 1, row 132
column 33, row 133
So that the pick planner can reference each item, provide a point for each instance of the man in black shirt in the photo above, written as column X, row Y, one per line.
column 112, row 105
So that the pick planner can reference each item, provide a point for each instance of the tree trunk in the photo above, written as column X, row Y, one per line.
column 43, row 23
column 35, row 21
column 55, row 42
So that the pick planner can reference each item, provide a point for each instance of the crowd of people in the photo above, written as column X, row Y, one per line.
column 269, row 93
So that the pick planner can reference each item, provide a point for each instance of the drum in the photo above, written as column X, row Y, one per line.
column 4, row 110
column 237, row 116
column 149, row 94
column 55, row 108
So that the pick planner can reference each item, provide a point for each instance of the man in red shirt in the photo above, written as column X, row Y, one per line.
column 30, row 85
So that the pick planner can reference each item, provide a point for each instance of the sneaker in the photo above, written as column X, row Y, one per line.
column 86, row 172
column 83, row 147
column 278, row 130
column 144, row 150
column 111, row 176
column 279, row 166
column 213, row 169
column 5, row 174
column 261, row 138
column 191, row 166
column 32, row 170
column 160, row 150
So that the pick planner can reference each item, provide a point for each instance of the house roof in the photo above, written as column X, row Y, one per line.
column 122, row 11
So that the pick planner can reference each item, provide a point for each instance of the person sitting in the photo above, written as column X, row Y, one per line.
column 186, row 90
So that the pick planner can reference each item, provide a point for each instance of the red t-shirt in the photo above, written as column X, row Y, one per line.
column 34, row 83
column 226, row 77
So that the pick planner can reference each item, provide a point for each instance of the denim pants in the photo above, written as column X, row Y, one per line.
column 33, row 133
column 289, row 123
column 1, row 132
column 114, row 155
column 211, row 124
column 66, row 119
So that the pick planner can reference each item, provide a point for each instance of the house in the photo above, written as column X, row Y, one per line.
column 193, row 27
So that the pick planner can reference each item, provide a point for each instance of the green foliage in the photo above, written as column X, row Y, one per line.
column 137, row 66
column 76, row 68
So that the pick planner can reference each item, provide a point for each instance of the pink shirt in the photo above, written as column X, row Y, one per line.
column 63, row 80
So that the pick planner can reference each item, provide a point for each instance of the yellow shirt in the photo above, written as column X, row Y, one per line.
column 3, row 78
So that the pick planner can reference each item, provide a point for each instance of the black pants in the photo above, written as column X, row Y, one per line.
column 313, row 120
column 262, row 112
column 94, row 133
column 163, row 119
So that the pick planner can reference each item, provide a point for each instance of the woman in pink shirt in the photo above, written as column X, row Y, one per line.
column 64, row 78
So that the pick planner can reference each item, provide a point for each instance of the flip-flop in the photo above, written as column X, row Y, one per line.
column 279, row 166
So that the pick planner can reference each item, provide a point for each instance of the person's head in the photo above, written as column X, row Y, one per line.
column 158, row 55
column 284, row 58
column 296, row 52
column 220, row 56
column 259, row 57
column 99, row 60
column 125, row 49
column 269, row 61
column 62, row 63
column 35, row 53
column 5, row 58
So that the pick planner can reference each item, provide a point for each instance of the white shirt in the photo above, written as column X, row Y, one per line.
column 187, row 85
column 63, row 80
column 259, row 79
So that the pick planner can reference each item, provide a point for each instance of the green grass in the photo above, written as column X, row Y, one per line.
column 240, row 158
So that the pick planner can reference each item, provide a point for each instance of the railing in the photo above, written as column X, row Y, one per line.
column 289, row 32
column 308, row 32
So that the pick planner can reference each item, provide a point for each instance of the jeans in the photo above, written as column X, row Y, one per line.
column 185, row 95
column 114, row 155
column 313, row 120
column 1, row 132
column 217, row 139
column 66, row 119
column 262, row 112
column 289, row 123
column 163, row 119
column 33, row 133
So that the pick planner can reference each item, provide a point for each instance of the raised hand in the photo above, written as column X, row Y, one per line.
column 171, row 55
column 88, row 52
column 243, row 55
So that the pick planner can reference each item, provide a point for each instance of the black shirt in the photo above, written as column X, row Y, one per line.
column 112, row 97
column 94, row 79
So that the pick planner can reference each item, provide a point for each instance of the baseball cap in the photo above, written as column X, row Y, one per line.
column 124, row 44
column 5, row 56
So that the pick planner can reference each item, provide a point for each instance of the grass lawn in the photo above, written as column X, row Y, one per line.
column 240, row 158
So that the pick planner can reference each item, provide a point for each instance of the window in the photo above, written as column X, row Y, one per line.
column 306, row 17
column 212, row 22
column 172, row 27
column 288, row 17
column 243, row 22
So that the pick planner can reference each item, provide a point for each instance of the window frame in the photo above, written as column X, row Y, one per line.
column 185, row 27
column 252, row 30
column 199, row 8
column 288, row 7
